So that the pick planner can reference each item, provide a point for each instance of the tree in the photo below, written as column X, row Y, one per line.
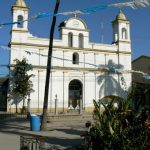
column 21, row 83
column 45, row 104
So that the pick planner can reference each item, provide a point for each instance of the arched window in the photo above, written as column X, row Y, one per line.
column 124, row 33
column 70, row 40
column 80, row 40
column 75, row 58
column 20, row 19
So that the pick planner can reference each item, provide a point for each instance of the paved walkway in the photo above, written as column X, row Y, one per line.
column 60, row 134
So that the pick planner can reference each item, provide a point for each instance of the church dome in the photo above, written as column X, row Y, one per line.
column 121, row 16
column 20, row 3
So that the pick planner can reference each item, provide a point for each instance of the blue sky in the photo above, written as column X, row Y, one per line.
column 98, row 22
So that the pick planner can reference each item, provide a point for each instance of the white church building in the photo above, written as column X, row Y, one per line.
column 79, row 68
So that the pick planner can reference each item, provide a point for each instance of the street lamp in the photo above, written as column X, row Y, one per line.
column 28, row 107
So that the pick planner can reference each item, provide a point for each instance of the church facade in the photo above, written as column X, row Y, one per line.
column 80, row 69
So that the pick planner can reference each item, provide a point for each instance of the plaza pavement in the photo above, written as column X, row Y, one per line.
column 60, row 134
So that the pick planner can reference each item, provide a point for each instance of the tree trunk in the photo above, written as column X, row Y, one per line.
column 45, row 104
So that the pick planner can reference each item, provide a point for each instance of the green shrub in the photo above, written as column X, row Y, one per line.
column 121, row 127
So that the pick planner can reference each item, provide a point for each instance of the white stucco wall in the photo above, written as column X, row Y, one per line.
column 95, row 84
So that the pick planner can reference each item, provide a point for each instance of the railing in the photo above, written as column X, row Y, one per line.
column 6, row 115
column 32, row 143
column 9, row 115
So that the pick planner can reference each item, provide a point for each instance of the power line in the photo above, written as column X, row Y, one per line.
column 108, row 69
column 134, row 5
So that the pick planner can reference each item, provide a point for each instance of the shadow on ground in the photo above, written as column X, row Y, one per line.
column 58, row 139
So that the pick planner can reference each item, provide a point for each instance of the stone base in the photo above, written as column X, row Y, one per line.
column 52, row 110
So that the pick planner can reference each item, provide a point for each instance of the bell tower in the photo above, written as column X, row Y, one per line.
column 121, row 32
column 20, row 12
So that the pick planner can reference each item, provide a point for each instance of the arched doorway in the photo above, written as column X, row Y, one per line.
column 75, row 94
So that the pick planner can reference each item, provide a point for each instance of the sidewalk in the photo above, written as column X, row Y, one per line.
column 60, row 134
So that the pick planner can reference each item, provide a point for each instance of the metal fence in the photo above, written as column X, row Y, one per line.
column 9, row 115
column 33, row 143
column 6, row 115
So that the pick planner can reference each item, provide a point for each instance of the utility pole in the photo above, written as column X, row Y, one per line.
column 48, row 70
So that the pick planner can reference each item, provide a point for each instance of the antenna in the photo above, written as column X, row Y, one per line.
column 75, row 15
column 102, row 29
column 102, row 36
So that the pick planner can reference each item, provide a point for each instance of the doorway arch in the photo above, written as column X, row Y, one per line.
column 75, row 94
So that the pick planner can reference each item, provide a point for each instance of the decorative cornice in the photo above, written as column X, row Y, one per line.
column 62, row 48
column 85, row 30
column 121, row 21
column 124, row 41
column 75, row 35
column 68, row 69
column 20, row 7
column 20, row 30
column 64, row 69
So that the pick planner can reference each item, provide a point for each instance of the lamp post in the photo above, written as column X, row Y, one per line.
column 28, row 107
column 56, row 107
column 80, row 109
